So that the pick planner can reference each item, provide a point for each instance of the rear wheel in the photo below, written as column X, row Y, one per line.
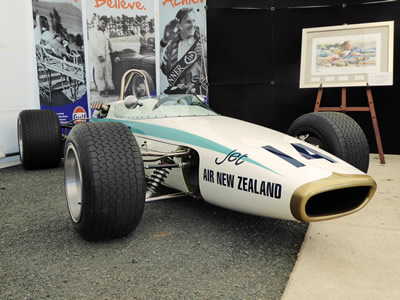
column 39, row 139
column 336, row 133
column 104, row 180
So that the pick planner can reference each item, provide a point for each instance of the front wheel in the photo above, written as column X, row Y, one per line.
column 104, row 180
column 336, row 133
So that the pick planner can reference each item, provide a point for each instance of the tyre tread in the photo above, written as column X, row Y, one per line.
column 115, row 180
column 41, row 138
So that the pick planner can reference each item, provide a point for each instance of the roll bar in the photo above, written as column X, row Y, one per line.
column 131, row 73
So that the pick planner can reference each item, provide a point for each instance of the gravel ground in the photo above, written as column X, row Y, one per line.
column 182, row 249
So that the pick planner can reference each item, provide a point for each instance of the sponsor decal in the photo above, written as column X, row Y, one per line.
column 79, row 115
column 232, row 156
column 245, row 184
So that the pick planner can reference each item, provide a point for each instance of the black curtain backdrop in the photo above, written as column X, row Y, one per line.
column 254, row 50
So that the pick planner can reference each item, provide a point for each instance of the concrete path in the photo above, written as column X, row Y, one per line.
column 358, row 256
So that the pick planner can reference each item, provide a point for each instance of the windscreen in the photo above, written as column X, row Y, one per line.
column 164, row 107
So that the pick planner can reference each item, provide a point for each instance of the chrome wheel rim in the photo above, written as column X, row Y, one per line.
column 73, row 183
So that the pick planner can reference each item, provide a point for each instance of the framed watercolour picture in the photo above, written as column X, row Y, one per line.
column 347, row 55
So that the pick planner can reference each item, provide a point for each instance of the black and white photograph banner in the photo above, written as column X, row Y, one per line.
column 121, row 36
column 60, row 58
column 183, row 47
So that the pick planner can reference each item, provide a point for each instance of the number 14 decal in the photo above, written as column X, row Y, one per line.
column 303, row 150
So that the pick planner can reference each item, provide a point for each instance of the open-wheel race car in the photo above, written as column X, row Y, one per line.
column 132, row 149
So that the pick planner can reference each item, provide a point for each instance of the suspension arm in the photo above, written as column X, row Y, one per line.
column 161, row 155
column 166, row 166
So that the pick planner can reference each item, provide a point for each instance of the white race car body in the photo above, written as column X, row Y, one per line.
column 120, row 159
column 246, row 167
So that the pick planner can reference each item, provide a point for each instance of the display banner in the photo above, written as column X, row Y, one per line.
column 183, row 47
column 60, row 57
column 120, row 37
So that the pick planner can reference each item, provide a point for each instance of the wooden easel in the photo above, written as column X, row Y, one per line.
column 344, row 108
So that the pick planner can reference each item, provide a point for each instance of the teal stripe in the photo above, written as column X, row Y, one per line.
column 179, row 136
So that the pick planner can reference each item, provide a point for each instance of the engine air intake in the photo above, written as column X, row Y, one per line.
column 335, row 196
column 337, row 201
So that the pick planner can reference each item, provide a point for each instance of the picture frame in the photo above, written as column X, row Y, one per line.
column 347, row 55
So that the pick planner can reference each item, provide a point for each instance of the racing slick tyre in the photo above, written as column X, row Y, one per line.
column 104, row 180
column 39, row 139
column 336, row 133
